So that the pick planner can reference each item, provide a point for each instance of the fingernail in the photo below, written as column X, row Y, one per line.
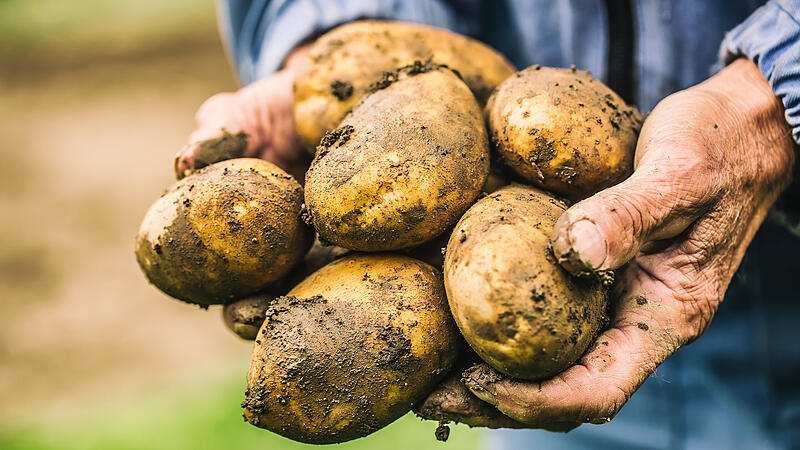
column 480, row 379
column 588, row 244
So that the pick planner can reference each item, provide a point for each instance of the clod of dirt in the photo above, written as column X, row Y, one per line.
column 342, row 90
column 442, row 432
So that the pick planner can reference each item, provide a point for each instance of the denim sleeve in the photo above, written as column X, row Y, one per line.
column 259, row 34
column 771, row 38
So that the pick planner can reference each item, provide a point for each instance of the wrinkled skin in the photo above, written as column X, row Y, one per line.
column 710, row 162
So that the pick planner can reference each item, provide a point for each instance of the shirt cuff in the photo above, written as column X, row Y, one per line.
column 272, row 29
column 770, row 37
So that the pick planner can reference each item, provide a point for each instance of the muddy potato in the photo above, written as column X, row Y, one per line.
column 515, row 306
column 563, row 130
column 403, row 166
column 245, row 316
column 343, row 63
column 350, row 349
column 225, row 232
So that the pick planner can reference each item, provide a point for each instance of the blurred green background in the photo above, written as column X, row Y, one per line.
column 96, row 96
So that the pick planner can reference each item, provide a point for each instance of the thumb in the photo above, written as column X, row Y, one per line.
column 606, row 230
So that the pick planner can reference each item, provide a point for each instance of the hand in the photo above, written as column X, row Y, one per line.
column 710, row 162
column 262, row 112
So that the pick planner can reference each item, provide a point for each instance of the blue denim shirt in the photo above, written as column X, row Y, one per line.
column 736, row 386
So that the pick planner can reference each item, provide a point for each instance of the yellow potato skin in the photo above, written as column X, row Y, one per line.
column 350, row 349
column 564, row 131
column 515, row 306
column 402, row 167
column 343, row 63
column 224, row 232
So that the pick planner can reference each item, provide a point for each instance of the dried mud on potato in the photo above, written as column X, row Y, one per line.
column 244, row 317
column 225, row 232
column 342, row 65
column 516, row 307
column 563, row 130
column 350, row 349
column 403, row 165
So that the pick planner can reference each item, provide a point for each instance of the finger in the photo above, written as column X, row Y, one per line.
column 197, row 155
column 562, row 427
column 451, row 401
column 605, row 231
column 597, row 387
column 244, row 317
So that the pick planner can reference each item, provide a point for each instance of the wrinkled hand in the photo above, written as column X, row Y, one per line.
column 710, row 162
column 262, row 111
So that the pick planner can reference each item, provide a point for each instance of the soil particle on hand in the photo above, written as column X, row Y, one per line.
column 640, row 300
column 480, row 375
column 642, row 326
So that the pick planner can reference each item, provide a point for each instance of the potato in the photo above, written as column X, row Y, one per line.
column 225, row 232
column 244, row 317
column 515, row 306
column 343, row 64
column 403, row 166
column 350, row 349
column 564, row 131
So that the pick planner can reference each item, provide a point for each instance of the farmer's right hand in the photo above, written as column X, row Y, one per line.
column 262, row 111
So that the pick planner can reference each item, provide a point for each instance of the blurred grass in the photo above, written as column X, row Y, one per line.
column 98, row 96
column 38, row 30
column 202, row 413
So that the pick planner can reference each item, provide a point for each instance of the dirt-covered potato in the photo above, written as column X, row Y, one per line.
column 350, row 349
column 516, row 307
column 403, row 166
column 245, row 316
column 225, row 232
column 343, row 64
column 563, row 130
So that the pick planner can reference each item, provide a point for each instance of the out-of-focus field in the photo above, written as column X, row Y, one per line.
column 95, row 98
